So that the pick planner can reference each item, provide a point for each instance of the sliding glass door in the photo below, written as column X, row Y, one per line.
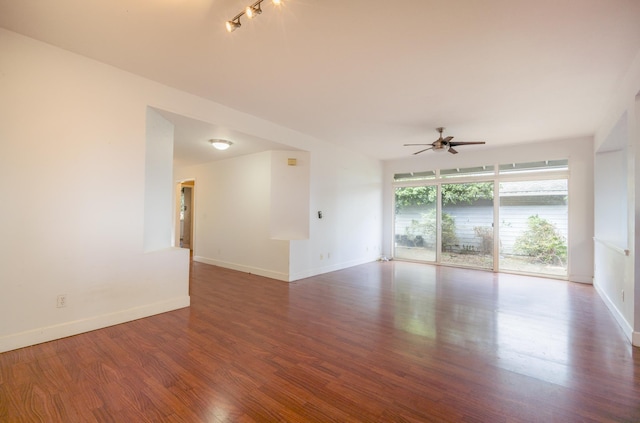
column 415, row 223
column 533, row 226
column 450, row 218
column 467, row 224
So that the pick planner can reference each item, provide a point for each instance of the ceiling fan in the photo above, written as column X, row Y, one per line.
column 444, row 144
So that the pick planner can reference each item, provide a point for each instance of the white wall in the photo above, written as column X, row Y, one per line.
column 72, row 161
column 158, row 175
column 613, row 267
column 232, row 216
column 73, row 155
column 611, row 194
column 579, row 153
column 347, row 189
column 253, row 215
column 290, row 194
column 615, row 271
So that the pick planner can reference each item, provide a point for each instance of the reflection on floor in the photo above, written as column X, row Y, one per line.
column 381, row 342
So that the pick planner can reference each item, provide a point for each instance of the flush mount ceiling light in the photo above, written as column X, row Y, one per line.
column 251, row 11
column 220, row 144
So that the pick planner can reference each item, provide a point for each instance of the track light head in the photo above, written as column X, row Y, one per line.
column 232, row 25
column 252, row 11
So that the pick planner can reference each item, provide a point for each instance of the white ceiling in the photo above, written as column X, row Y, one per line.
column 370, row 75
column 191, row 141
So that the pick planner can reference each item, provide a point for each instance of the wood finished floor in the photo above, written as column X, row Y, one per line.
column 382, row 342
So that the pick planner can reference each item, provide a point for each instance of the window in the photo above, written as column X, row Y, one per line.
column 452, row 222
column 414, row 176
column 531, row 167
column 466, row 172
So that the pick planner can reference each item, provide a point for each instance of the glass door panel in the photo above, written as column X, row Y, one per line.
column 415, row 223
column 533, row 226
column 467, row 224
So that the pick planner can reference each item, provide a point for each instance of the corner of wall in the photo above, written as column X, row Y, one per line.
column 280, row 276
column 626, row 327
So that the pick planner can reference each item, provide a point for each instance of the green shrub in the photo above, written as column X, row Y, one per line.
column 426, row 228
column 449, row 238
column 451, row 194
column 542, row 242
column 486, row 234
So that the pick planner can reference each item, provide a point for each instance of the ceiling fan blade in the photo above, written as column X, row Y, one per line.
column 447, row 139
column 465, row 143
column 452, row 151
column 421, row 151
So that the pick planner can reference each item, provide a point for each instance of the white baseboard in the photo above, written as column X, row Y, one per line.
column 50, row 333
column 626, row 327
column 581, row 279
column 307, row 273
column 242, row 268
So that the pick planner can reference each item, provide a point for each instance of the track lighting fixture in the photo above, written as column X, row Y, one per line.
column 233, row 24
column 220, row 144
column 251, row 12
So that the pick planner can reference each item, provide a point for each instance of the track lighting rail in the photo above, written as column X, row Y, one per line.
column 250, row 11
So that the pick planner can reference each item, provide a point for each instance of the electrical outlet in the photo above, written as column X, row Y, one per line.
column 62, row 301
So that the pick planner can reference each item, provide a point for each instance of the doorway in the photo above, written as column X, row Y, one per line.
column 185, row 200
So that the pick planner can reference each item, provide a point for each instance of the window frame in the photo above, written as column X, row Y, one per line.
column 496, row 177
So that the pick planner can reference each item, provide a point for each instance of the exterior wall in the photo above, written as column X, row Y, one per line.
column 477, row 215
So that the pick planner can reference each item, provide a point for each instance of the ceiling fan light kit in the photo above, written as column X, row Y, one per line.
column 250, row 11
column 443, row 144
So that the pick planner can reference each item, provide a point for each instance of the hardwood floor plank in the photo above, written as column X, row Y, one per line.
column 381, row 342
